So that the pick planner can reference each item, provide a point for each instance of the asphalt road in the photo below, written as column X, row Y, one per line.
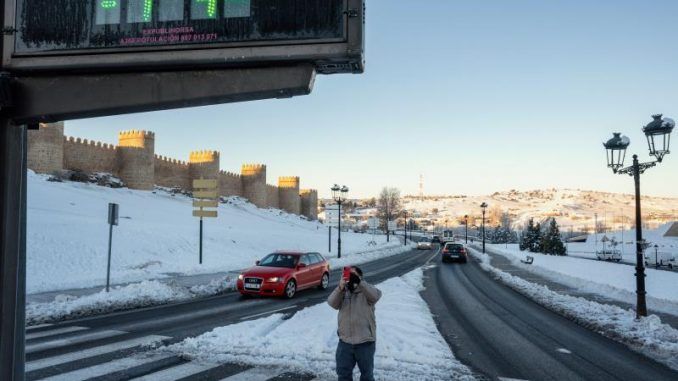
column 502, row 334
column 108, row 347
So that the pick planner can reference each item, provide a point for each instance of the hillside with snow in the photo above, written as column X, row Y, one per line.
column 157, row 236
column 571, row 208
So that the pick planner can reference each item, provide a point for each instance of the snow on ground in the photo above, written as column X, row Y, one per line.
column 648, row 335
column 613, row 280
column 158, row 237
column 409, row 347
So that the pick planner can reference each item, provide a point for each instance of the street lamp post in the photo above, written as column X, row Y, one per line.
column 658, row 134
column 656, row 255
column 406, row 228
column 339, row 195
column 466, row 227
column 484, row 207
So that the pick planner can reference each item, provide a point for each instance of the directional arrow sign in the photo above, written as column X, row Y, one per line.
column 205, row 204
column 204, row 184
column 205, row 194
column 205, row 213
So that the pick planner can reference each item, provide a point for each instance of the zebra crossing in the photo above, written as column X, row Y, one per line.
column 79, row 353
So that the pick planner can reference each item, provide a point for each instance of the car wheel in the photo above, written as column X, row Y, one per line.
column 290, row 289
column 325, row 281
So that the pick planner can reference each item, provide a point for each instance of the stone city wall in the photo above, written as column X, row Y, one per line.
column 134, row 161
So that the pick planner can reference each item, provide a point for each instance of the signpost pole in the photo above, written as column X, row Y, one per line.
column 112, row 220
column 108, row 267
column 201, row 240
column 329, row 243
column 13, row 148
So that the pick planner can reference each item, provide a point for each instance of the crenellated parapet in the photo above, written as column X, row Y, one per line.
column 288, row 194
column 309, row 203
column 272, row 196
column 203, row 165
column 230, row 184
column 136, row 159
column 171, row 173
column 46, row 148
column 254, row 184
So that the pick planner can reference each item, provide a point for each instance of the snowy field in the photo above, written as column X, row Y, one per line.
column 408, row 345
column 157, row 236
column 648, row 335
column 613, row 280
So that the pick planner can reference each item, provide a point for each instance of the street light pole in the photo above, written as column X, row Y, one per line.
column 466, row 227
column 339, row 238
column 656, row 255
column 406, row 228
column 484, row 207
column 340, row 195
column 658, row 134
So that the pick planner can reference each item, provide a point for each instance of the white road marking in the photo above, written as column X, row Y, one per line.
column 254, row 374
column 106, row 368
column 90, row 336
column 563, row 350
column 267, row 312
column 58, row 331
column 176, row 372
column 92, row 352
column 32, row 327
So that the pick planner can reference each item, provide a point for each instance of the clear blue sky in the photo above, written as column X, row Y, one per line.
column 478, row 96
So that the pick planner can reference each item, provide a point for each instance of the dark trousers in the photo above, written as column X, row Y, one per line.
column 348, row 355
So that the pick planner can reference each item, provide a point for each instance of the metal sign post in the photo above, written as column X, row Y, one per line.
column 329, row 243
column 112, row 220
column 205, row 195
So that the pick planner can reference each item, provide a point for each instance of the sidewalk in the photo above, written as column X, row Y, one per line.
column 504, row 264
column 181, row 280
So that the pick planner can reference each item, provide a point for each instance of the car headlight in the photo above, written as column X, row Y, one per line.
column 275, row 279
column 240, row 277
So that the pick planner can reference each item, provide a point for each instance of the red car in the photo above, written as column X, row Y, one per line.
column 285, row 273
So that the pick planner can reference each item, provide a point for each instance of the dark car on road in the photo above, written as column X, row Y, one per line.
column 285, row 273
column 454, row 252
column 435, row 239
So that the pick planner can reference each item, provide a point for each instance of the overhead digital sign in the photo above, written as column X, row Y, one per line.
column 52, row 28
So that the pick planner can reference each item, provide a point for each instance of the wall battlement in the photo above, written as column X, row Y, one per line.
column 203, row 156
column 134, row 160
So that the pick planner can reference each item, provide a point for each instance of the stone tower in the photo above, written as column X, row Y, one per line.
column 288, row 191
column 254, row 184
column 46, row 148
column 136, row 159
column 309, row 203
column 203, row 164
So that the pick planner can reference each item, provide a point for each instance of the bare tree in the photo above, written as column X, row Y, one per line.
column 388, row 206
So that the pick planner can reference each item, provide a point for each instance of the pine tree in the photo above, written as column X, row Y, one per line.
column 525, row 236
column 552, row 243
column 536, row 239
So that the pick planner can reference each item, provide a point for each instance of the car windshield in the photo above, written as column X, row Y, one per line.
column 279, row 260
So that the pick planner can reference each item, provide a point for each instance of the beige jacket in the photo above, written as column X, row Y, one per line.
column 357, row 323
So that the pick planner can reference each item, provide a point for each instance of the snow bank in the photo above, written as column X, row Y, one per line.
column 136, row 295
column 158, row 237
column 647, row 336
column 408, row 346
column 612, row 280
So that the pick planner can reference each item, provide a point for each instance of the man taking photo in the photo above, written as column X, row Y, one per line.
column 357, row 330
